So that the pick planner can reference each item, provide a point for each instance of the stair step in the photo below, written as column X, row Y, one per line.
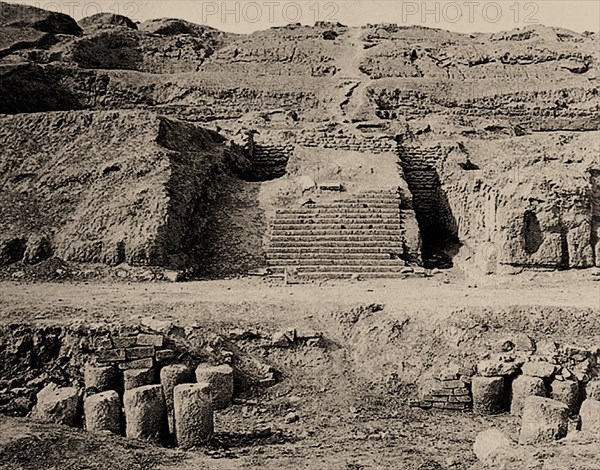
column 330, row 250
column 384, row 247
column 317, row 232
column 337, row 262
column 342, row 269
column 300, row 255
column 351, row 205
column 338, row 275
column 342, row 238
column 338, row 218
column 276, row 228
column 349, row 212
column 322, row 222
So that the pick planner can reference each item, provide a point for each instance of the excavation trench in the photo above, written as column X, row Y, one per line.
column 326, row 379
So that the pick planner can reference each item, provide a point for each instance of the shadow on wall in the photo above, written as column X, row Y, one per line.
column 232, row 238
column 532, row 234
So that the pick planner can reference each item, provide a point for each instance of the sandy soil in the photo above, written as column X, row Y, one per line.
column 319, row 416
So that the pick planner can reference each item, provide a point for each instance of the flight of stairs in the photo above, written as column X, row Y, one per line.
column 361, row 235
column 269, row 161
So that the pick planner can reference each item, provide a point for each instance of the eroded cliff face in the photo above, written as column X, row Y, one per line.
column 497, row 133
column 109, row 187
column 528, row 201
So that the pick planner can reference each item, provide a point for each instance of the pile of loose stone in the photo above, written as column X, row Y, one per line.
column 130, row 390
column 545, row 394
column 550, row 387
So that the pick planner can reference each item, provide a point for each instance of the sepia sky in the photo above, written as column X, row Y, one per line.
column 248, row 15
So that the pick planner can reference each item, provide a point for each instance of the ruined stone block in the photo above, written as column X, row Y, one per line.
column 567, row 392
column 103, row 412
column 145, row 363
column 590, row 416
column 146, row 339
column 539, row 369
column 102, row 342
column 124, row 341
column 193, row 414
column 495, row 368
column 170, row 376
column 59, row 405
column 139, row 352
column 544, row 421
column 489, row 395
column 522, row 387
column 220, row 379
column 100, row 378
column 164, row 355
column 459, row 399
column 146, row 413
column 592, row 390
column 110, row 355
column 133, row 378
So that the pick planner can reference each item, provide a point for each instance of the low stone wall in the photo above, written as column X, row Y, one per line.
column 341, row 140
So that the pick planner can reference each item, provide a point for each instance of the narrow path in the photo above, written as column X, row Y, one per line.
column 350, row 98
column 355, row 97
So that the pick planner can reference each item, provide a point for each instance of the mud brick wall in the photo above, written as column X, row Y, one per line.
column 135, row 351
column 420, row 158
column 269, row 160
column 451, row 391
column 431, row 207
column 345, row 141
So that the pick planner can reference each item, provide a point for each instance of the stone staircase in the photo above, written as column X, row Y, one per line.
column 362, row 235
column 269, row 161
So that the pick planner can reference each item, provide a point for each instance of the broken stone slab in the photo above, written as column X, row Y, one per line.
column 544, row 421
column 522, row 387
column 489, row 395
column 103, row 412
column 146, row 413
column 567, row 392
column 220, row 379
column 100, row 378
column 139, row 352
column 491, row 444
column 110, row 355
column 496, row 368
column 539, row 369
column 170, row 376
column 59, row 405
column 331, row 186
column 193, row 414
column 133, row 378
column 164, row 355
column 148, row 339
column 123, row 341
column 590, row 416
column 145, row 363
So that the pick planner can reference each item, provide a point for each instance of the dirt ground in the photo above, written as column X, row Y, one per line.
column 321, row 415
column 439, row 295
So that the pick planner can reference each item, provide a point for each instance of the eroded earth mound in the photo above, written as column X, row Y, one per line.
column 495, row 137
